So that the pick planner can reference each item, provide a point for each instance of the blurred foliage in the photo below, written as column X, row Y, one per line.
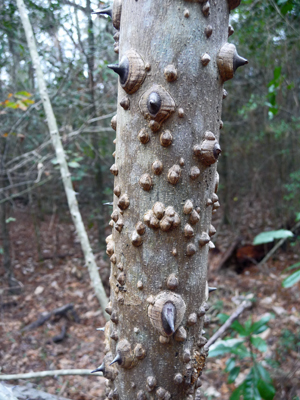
column 260, row 163
column 245, row 350
column 289, row 341
column 75, row 49
column 260, row 138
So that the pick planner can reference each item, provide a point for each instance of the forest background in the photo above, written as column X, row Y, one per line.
column 259, row 188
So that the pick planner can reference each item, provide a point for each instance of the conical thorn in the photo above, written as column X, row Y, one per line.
column 117, row 359
column 211, row 289
column 238, row 62
column 154, row 103
column 101, row 368
column 121, row 69
column 118, row 70
column 217, row 150
column 104, row 11
column 168, row 318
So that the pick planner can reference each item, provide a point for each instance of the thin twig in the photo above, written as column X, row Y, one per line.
column 62, row 162
column 245, row 304
column 26, row 190
column 101, row 117
column 42, row 374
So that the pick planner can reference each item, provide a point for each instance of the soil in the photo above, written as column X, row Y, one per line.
column 49, row 267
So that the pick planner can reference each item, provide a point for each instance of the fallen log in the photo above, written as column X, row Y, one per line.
column 61, row 311
column 43, row 374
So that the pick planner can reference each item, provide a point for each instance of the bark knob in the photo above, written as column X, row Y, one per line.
column 131, row 71
column 167, row 312
column 228, row 61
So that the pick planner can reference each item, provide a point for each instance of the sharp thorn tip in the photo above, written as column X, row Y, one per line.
column 117, row 359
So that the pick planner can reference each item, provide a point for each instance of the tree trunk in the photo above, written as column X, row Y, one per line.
column 4, row 232
column 174, row 59
column 6, row 243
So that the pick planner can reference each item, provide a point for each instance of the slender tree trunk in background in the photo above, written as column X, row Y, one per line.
column 64, row 170
column 173, row 60
column 9, row 274
column 13, row 65
column 98, row 181
column 6, row 243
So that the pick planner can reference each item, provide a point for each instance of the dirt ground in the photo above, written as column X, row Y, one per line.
column 60, row 278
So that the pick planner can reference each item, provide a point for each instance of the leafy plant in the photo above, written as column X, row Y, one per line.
column 270, row 236
column 258, row 384
column 18, row 100
column 293, row 278
column 289, row 341
column 273, row 87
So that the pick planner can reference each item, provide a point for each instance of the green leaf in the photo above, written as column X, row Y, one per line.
column 239, row 328
column 291, row 280
column 73, row 164
column 11, row 104
column 10, row 219
column 224, row 346
column 54, row 161
column 1, row 250
column 277, row 73
column 236, row 394
column 259, row 343
column 248, row 325
column 26, row 94
column 292, row 267
column 286, row 8
column 223, row 317
column 233, row 374
column 250, row 386
column 261, row 329
column 256, row 327
column 263, row 373
column 266, row 389
column 241, row 351
column 271, row 88
column 230, row 364
column 268, row 237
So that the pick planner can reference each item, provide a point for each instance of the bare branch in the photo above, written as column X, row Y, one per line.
column 76, row 6
column 43, row 374
column 62, row 162
column 245, row 304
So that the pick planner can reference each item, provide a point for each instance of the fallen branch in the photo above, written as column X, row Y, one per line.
column 42, row 374
column 245, row 304
column 46, row 316
column 60, row 337
column 19, row 392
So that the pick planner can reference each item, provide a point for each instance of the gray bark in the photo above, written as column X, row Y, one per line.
column 163, row 266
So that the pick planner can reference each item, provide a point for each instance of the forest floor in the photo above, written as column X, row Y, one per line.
column 61, row 279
